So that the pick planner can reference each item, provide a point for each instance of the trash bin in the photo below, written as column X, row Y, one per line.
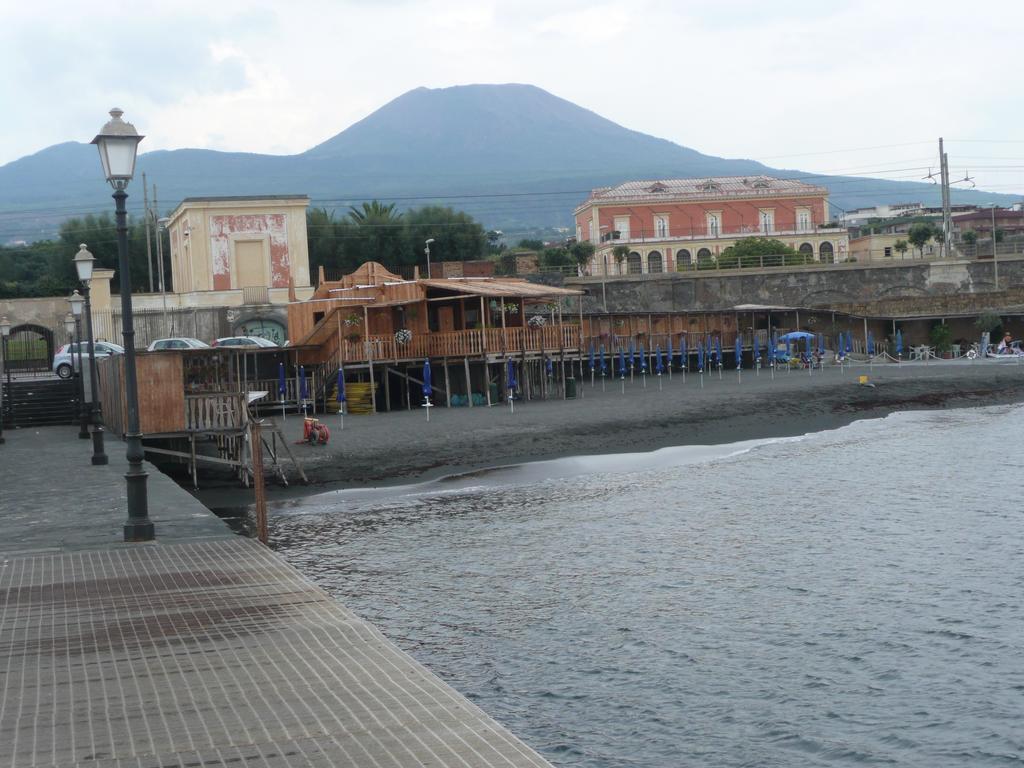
column 570, row 388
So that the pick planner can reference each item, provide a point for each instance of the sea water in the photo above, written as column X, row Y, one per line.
column 849, row 597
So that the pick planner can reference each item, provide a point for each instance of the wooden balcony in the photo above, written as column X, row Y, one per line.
column 471, row 343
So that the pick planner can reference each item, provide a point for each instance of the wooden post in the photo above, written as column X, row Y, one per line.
column 487, row 380
column 469, row 382
column 369, row 358
column 256, row 442
column 447, row 384
column 387, row 388
column 408, row 404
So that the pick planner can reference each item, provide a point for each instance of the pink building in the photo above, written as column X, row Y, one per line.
column 675, row 224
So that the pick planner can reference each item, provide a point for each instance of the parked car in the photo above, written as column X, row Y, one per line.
column 65, row 361
column 181, row 342
column 243, row 341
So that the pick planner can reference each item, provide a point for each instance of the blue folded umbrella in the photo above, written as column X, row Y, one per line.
column 718, row 350
column 899, row 342
column 591, row 359
column 669, row 350
column 428, row 390
column 643, row 360
column 281, row 387
column 682, row 351
column 303, row 386
column 871, row 344
column 604, row 361
column 622, row 364
column 700, row 357
column 659, row 365
column 510, row 376
column 550, row 365
column 341, row 385
column 849, row 342
column 739, row 351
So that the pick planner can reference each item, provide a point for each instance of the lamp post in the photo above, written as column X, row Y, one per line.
column 118, row 143
column 427, row 251
column 5, row 333
column 5, row 328
column 73, row 324
column 84, row 263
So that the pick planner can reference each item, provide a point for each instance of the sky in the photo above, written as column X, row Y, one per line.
column 860, row 88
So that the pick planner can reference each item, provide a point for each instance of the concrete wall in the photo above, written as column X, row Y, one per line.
column 826, row 286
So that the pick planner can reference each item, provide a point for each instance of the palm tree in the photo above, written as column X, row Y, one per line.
column 374, row 212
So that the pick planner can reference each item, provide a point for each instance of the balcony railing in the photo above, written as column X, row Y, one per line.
column 701, row 232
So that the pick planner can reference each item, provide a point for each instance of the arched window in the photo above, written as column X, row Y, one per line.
column 683, row 258
column 826, row 253
column 703, row 255
column 654, row 262
column 807, row 251
column 634, row 263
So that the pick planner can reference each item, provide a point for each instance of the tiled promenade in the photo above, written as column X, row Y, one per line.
column 204, row 649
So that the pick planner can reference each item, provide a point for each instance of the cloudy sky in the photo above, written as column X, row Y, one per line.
column 795, row 84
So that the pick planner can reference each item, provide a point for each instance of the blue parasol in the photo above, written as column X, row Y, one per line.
column 550, row 366
column 669, row 352
column 341, row 385
column 772, row 344
column 592, row 366
column 604, row 361
column 700, row 358
column 871, row 344
column 643, row 360
column 738, row 350
column 659, row 365
column 510, row 377
column 682, row 352
column 849, row 342
column 427, row 389
column 622, row 364
column 303, row 385
column 718, row 350
column 899, row 342
column 281, row 388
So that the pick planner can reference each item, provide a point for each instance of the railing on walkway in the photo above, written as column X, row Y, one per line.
column 215, row 411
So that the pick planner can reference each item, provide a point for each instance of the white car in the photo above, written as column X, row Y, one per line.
column 65, row 361
column 244, row 341
column 182, row 342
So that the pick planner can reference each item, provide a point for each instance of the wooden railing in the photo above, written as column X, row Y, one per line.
column 472, row 343
column 221, row 410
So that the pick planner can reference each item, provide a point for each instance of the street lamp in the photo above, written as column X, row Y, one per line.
column 73, row 323
column 84, row 263
column 427, row 251
column 5, row 331
column 118, row 144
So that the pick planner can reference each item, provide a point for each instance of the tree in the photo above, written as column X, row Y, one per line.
column 621, row 253
column 751, row 252
column 582, row 253
column 556, row 257
column 531, row 245
column 970, row 237
column 457, row 235
column 919, row 235
column 900, row 246
column 999, row 235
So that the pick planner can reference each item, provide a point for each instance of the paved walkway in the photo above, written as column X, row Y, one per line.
column 202, row 649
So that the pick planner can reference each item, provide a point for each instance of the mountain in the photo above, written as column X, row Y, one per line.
column 512, row 155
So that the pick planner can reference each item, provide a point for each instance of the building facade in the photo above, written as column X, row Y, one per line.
column 676, row 224
column 223, row 244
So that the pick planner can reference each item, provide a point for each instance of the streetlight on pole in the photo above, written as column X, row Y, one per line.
column 84, row 263
column 5, row 333
column 118, row 144
column 74, row 325
column 427, row 251
column 5, row 328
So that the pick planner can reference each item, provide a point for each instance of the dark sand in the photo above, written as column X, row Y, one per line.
column 401, row 447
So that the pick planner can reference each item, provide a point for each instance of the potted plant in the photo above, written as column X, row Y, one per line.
column 941, row 338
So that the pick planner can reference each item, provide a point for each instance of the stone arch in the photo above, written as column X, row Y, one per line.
column 807, row 251
column 634, row 263
column 826, row 253
column 655, row 263
column 29, row 347
column 683, row 258
column 703, row 254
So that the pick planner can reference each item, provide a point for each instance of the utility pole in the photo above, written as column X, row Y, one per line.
column 946, row 221
column 149, row 251
column 160, row 261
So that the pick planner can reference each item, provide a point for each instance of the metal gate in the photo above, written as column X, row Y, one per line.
column 29, row 350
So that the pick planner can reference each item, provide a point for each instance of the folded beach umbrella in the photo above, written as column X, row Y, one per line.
column 682, row 351
column 810, row 346
column 659, row 365
column 622, row 364
column 669, row 351
column 428, row 390
column 871, row 344
column 849, row 342
column 643, row 360
column 771, row 350
column 341, row 385
column 592, row 366
column 303, row 385
column 280, row 380
column 700, row 357
column 739, row 351
column 899, row 342
column 604, row 361
column 550, row 365
column 718, row 350
column 510, row 376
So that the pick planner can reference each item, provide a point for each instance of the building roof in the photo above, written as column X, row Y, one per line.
column 499, row 287
column 715, row 187
column 242, row 198
column 986, row 215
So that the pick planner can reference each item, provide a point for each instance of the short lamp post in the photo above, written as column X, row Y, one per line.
column 76, row 301
column 118, row 144
column 4, row 335
column 84, row 263
column 5, row 331
column 427, row 251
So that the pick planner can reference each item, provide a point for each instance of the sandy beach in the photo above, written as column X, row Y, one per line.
column 402, row 446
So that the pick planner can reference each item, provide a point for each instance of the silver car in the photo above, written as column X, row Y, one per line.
column 181, row 342
column 244, row 341
column 65, row 362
